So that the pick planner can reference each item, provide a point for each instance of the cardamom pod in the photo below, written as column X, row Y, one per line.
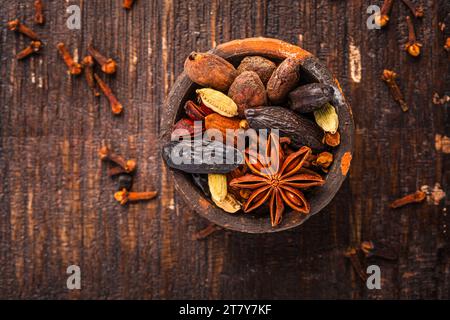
column 217, row 186
column 327, row 118
column 229, row 204
column 218, row 102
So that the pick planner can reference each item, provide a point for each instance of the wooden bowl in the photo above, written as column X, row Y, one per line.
column 235, row 51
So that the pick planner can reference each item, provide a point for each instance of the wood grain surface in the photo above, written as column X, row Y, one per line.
column 56, row 201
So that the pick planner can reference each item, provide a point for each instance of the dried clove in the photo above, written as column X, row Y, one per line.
column 116, row 106
column 206, row 232
column 127, row 4
column 39, row 14
column 74, row 67
column 34, row 46
column 412, row 47
column 352, row 254
column 371, row 249
column 333, row 140
column 124, row 196
column 440, row 100
column 106, row 154
column 447, row 44
column 16, row 25
column 389, row 77
column 114, row 171
column 323, row 161
column 88, row 64
column 415, row 197
column 383, row 18
column 417, row 11
column 108, row 65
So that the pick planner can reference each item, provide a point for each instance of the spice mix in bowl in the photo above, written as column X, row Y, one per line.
column 258, row 135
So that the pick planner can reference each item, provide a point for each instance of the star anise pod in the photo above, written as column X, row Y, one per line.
column 277, row 179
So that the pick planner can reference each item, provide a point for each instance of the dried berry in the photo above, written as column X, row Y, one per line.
column 209, row 70
column 123, row 196
column 221, row 123
column 415, row 197
column 196, row 112
column 333, row 140
column 323, row 160
column 207, row 157
column 283, row 80
column 34, row 46
column 183, row 127
column 262, row 66
column 106, row 154
column 248, row 91
column 302, row 131
column 218, row 102
column 389, row 77
column 327, row 118
column 310, row 97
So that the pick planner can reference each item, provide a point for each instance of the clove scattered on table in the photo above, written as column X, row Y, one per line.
column 389, row 77
column 206, row 232
column 415, row 197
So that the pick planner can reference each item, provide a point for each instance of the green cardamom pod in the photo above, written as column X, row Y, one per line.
column 217, row 186
column 327, row 118
column 218, row 102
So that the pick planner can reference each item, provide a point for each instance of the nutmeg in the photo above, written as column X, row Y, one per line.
column 262, row 66
column 210, row 70
column 283, row 80
column 248, row 91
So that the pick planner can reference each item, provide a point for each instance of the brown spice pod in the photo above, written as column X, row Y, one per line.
column 283, row 80
column 248, row 91
column 221, row 123
column 262, row 66
column 209, row 70
column 332, row 139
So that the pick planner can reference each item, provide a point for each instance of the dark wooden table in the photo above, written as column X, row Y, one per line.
column 57, row 206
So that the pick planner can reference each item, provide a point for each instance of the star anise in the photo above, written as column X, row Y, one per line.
column 277, row 179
